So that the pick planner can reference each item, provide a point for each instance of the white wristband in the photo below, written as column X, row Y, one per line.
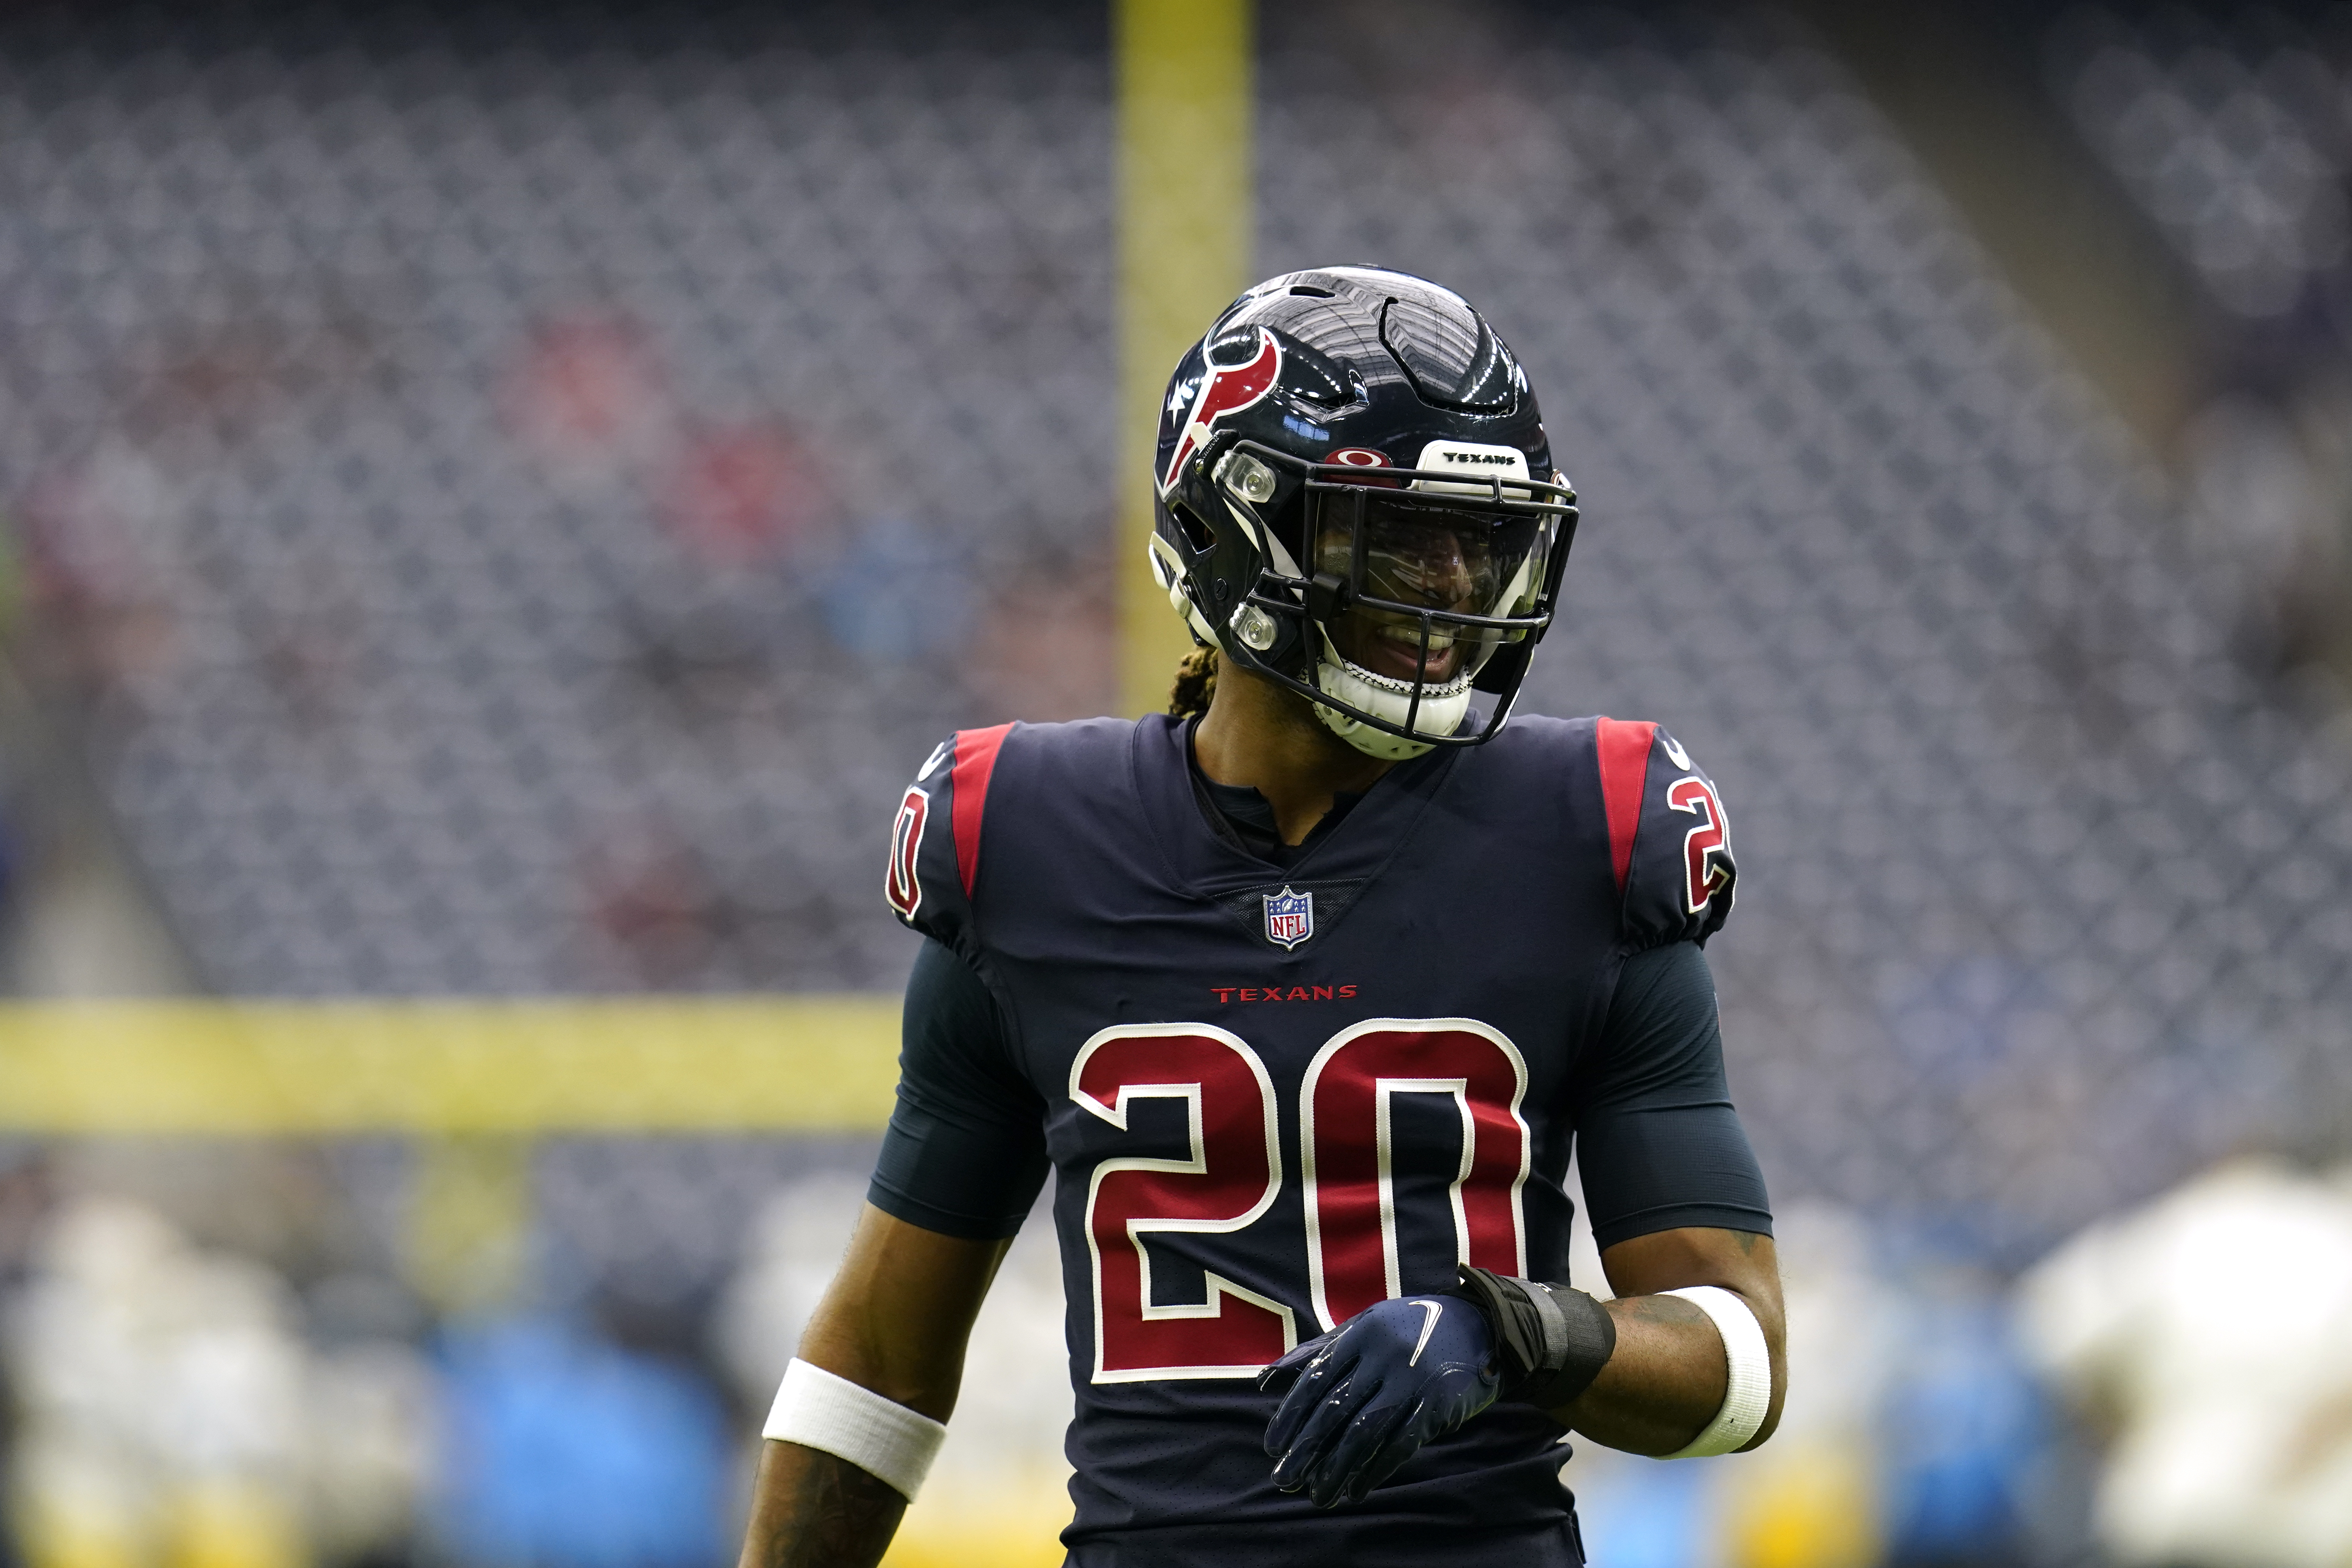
column 1747, row 1391
column 881, row 1437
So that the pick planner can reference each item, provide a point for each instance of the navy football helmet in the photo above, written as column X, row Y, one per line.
column 1356, row 500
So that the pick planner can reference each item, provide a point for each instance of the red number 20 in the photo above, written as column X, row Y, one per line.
column 1234, row 1170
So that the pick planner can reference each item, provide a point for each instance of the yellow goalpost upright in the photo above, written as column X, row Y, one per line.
column 1185, row 90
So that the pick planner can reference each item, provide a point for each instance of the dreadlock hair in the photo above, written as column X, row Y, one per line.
column 1196, row 684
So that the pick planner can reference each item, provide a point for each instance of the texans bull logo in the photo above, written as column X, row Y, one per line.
column 1227, row 389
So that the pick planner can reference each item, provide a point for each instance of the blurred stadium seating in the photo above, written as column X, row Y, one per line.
column 2042, row 896
column 504, row 497
column 2231, row 131
column 512, row 506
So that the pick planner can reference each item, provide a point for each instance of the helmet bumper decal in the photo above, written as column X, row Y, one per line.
column 1476, row 461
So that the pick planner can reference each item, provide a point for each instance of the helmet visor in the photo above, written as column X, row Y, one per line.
column 1433, row 585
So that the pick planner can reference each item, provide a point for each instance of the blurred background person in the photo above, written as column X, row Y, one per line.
column 2207, row 1336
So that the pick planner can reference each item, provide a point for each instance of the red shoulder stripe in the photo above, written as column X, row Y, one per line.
column 1625, row 747
column 975, row 760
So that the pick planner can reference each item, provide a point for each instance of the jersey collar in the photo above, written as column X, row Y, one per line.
column 1357, row 845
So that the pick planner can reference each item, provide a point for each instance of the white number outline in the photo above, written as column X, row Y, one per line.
column 1696, row 795
column 1383, row 1088
column 905, row 852
column 1218, row 1286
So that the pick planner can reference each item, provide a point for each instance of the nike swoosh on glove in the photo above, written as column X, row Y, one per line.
column 1363, row 1398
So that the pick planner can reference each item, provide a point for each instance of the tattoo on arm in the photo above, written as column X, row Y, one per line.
column 1663, row 1309
column 838, row 1516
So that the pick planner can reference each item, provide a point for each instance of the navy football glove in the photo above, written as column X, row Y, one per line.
column 1364, row 1398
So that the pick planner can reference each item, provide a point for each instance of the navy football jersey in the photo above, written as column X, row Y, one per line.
column 1273, row 1097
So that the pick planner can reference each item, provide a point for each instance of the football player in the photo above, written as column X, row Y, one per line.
column 1303, row 993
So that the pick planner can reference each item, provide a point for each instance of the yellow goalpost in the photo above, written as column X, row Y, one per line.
column 1186, row 221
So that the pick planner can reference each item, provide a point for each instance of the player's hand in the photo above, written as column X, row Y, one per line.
column 1364, row 1398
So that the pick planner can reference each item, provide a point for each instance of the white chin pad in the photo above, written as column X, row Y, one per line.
column 1442, row 708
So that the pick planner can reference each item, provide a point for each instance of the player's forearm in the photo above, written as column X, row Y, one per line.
column 899, row 1309
column 894, row 1322
column 812, row 1510
column 1666, row 1381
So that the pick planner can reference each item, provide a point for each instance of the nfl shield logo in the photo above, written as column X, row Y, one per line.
column 1289, row 917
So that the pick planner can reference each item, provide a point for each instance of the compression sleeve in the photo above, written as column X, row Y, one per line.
column 965, row 1152
column 1658, row 1144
